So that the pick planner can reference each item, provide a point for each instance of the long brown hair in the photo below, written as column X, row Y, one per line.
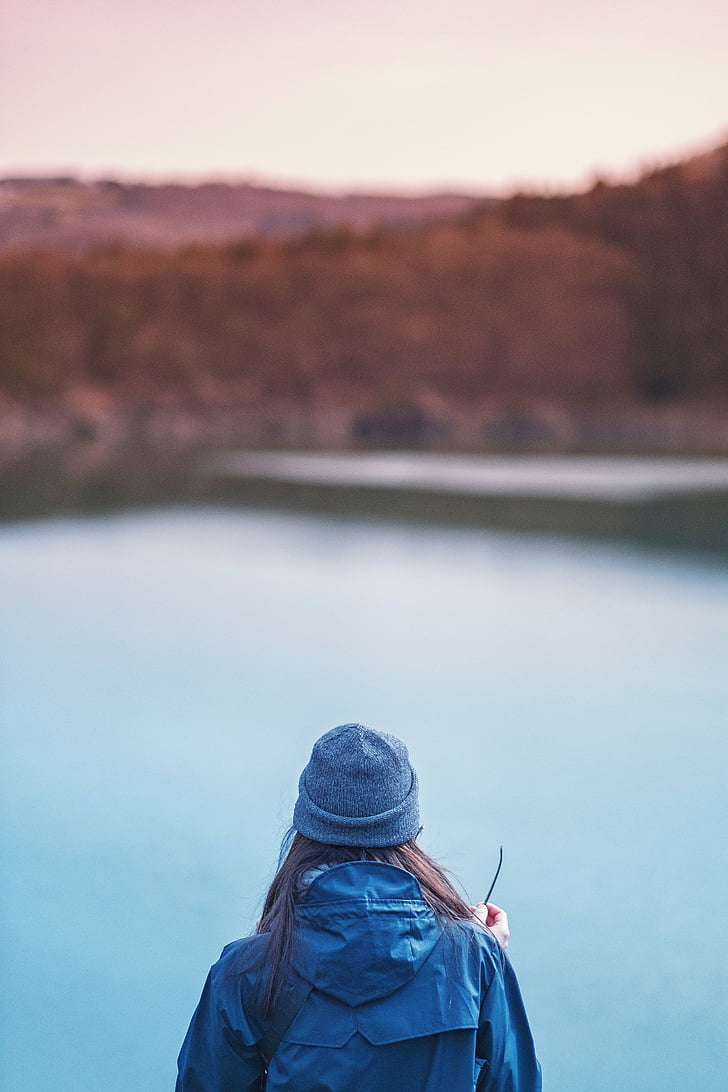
column 300, row 854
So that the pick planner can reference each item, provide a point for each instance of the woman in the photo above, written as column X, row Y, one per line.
column 367, row 972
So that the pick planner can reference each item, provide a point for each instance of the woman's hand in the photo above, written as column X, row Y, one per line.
column 495, row 919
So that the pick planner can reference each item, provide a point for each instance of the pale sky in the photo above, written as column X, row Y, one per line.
column 409, row 94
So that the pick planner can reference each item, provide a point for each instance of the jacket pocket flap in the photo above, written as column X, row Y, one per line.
column 382, row 1027
column 421, row 1008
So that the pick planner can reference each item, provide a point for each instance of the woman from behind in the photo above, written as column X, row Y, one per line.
column 368, row 972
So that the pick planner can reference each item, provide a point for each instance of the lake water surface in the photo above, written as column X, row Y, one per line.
column 163, row 676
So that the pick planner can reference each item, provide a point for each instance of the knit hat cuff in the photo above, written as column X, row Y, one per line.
column 389, row 828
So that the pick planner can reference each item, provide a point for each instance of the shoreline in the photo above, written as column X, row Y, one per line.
column 107, row 429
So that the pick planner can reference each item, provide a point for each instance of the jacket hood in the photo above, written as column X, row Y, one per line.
column 364, row 931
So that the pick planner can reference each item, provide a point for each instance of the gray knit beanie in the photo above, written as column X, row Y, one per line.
column 358, row 789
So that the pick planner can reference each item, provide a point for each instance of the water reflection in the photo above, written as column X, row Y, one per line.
column 672, row 503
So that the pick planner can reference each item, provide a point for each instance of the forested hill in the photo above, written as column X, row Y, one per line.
column 674, row 225
column 586, row 306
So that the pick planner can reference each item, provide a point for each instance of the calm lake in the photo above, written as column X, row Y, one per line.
column 164, row 674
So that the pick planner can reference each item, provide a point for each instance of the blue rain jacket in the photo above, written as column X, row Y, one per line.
column 401, row 1001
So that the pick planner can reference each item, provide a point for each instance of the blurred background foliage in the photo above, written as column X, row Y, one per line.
column 593, row 302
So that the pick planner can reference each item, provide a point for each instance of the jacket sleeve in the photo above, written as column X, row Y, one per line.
column 504, row 1036
column 216, row 1056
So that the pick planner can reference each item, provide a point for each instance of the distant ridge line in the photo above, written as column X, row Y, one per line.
column 68, row 214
